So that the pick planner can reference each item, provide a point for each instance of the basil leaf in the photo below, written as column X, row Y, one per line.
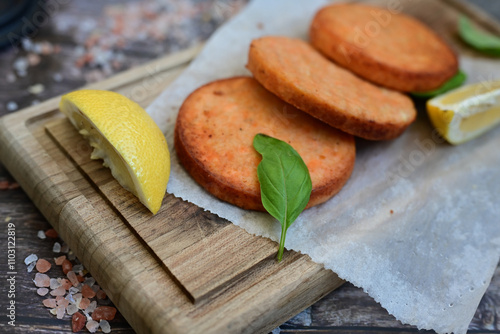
column 285, row 183
column 479, row 40
column 456, row 81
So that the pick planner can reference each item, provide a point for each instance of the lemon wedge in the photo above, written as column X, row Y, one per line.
column 126, row 138
column 466, row 112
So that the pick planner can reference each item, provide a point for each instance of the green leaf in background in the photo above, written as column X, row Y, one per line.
column 479, row 40
column 285, row 183
column 456, row 81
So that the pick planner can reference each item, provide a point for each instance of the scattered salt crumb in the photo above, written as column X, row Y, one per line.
column 56, row 248
column 78, row 268
column 42, row 291
column 95, row 287
column 51, row 233
column 11, row 106
column 31, row 266
column 60, row 310
column 41, row 235
column 30, row 258
column 101, row 294
column 89, row 281
column 33, row 59
column 57, row 77
column 63, row 302
column 84, row 303
column 36, row 89
column 58, row 292
column 59, row 260
column 73, row 290
column 72, row 278
column 71, row 309
column 20, row 65
column 50, row 302
column 53, row 311
column 54, row 283
column 92, row 326
column 42, row 280
column 43, row 265
column 91, row 308
column 64, row 248
column 11, row 77
column 66, row 266
column 77, row 322
column 105, row 327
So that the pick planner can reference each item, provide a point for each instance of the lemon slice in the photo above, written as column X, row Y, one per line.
column 126, row 138
column 467, row 112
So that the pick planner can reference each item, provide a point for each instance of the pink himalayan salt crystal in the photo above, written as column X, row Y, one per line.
column 42, row 280
column 72, row 278
column 77, row 322
column 91, row 307
column 42, row 291
column 59, row 260
column 101, row 294
column 43, row 265
column 63, row 302
column 104, row 313
column 84, row 303
column 60, row 310
column 58, row 292
column 66, row 266
column 87, row 292
column 49, row 302
column 92, row 326
column 66, row 284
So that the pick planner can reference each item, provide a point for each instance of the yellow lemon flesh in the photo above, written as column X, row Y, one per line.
column 467, row 112
column 126, row 138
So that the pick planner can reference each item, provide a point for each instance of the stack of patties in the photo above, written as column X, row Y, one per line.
column 315, row 105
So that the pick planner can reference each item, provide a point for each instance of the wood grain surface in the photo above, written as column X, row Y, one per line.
column 346, row 310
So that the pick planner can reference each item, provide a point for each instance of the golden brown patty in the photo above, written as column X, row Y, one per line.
column 215, row 130
column 393, row 50
column 300, row 75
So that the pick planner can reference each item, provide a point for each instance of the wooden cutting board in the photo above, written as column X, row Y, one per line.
column 183, row 270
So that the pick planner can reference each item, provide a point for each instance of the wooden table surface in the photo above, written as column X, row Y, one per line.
column 62, row 56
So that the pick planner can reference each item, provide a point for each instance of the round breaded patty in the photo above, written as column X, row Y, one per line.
column 214, row 141
column 392, row 50
column 297, row 73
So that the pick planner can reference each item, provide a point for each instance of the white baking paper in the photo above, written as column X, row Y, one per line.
column 417, row 225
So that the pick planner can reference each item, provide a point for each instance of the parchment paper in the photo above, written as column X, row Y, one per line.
column 430, row 261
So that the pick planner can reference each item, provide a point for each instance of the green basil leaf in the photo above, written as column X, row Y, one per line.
column 285, row 183
column 456, row 81
column 479, row 40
